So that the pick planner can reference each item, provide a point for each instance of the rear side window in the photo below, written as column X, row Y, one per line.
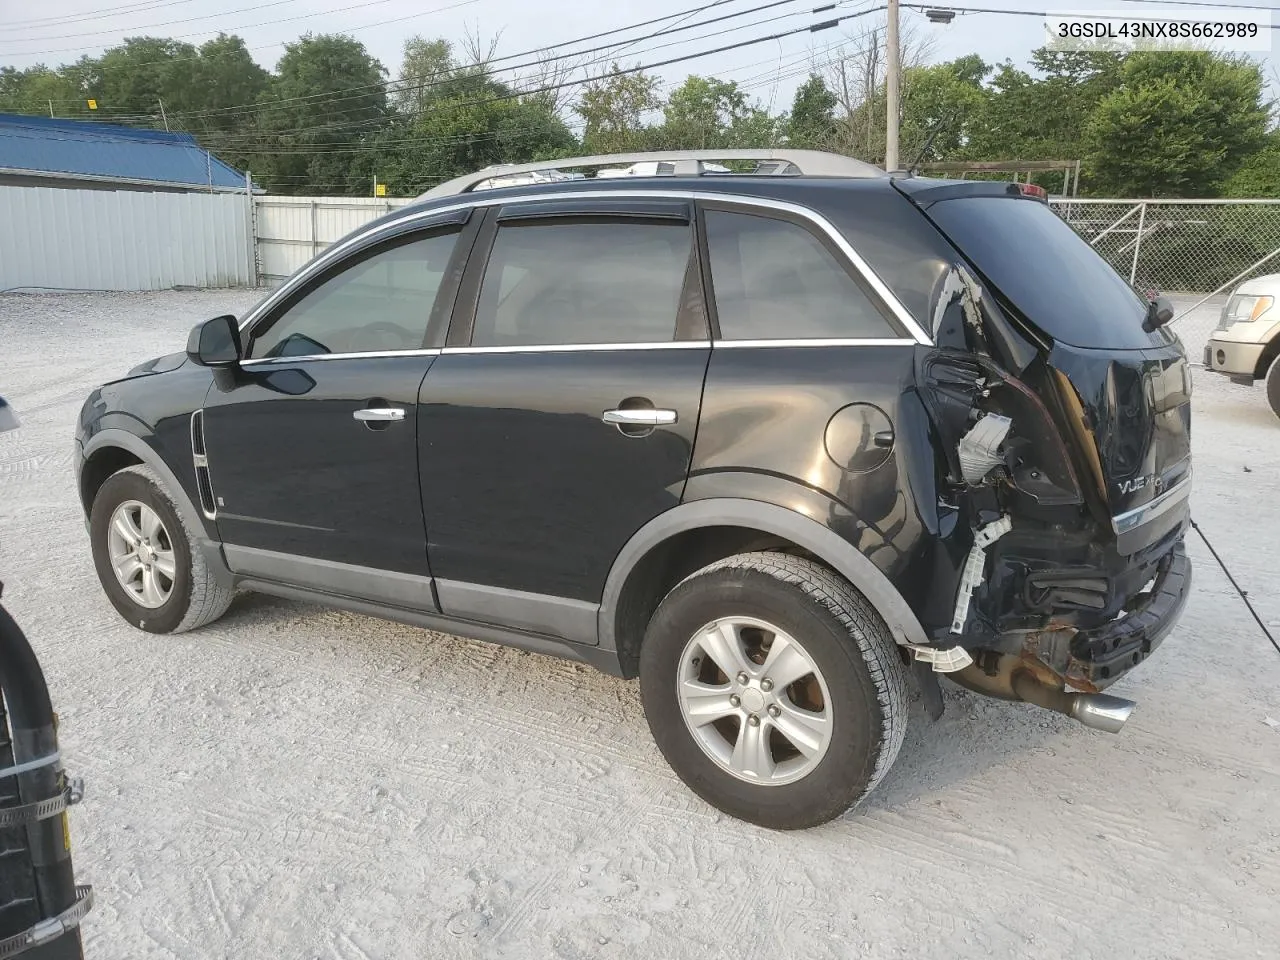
column 582, row 282
column 1050, row 275
column 775, row 280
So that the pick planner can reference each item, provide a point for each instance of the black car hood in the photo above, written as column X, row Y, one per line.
column 170, row 361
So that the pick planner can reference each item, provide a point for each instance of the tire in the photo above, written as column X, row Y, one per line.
column 1273, row 387
column 194, row 596
column 857, row 670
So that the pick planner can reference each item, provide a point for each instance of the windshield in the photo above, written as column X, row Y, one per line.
column 1049, row 274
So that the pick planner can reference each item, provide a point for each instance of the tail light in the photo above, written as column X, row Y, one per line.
column 1031, row 190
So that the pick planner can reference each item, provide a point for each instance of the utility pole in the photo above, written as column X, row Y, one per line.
column 50, row 109
column 162, row 114
column 893, row 77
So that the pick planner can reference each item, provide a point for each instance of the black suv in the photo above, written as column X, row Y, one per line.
column 768, row 440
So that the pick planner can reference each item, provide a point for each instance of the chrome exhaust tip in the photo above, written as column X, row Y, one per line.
column 1100, row 711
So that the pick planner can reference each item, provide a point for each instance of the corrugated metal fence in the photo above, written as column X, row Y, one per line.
column 292, row 230
column 123, row 240
column 127, row 240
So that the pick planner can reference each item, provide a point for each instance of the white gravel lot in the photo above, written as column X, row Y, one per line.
column 292, row 782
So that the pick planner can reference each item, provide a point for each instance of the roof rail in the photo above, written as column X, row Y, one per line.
column 685, row 163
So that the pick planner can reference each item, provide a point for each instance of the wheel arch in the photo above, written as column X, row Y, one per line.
column 1270, row 353
column 111, row 450
column 716, row 528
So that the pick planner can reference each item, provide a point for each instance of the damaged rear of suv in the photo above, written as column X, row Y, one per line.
column 1062, row 409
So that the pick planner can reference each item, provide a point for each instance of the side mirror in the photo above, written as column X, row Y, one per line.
column 1159, row 313
column 215, row 343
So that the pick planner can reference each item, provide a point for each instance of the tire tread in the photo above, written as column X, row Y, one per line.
column 210, row 598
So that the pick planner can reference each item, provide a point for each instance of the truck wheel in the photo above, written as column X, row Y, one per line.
column 142, row 552
column 1273, row 387
column 773, row 689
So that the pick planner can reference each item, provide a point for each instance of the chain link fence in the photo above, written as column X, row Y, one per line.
column 1180, row 246
column 1193, row 251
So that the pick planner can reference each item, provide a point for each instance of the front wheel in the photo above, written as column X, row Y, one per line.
column 143, row 556
column 773, row 689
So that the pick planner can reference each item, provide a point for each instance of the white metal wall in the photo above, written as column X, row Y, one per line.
column 123, row 240
column 292, row 230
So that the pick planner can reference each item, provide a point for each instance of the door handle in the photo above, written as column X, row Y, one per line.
column 379, row 414
column 642, row 417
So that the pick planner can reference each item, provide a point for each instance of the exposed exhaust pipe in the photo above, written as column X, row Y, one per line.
column 1098, row 710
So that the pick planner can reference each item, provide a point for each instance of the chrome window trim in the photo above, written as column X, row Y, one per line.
column 1132, row 519
column 582, row 347
column 371, row 355
column 334, row 252
column 819, row 342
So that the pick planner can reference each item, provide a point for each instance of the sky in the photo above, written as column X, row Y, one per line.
column 61, row 31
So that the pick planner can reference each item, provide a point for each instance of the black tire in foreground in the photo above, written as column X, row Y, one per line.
column 824, row 739
column 135, row 527
column 1273, row 387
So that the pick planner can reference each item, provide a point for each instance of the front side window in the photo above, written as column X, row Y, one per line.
column 380, row 303
column 774, row 280
column 582, row 282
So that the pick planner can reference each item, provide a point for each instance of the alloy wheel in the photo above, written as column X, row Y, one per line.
column 141, row 553
column 755, row 701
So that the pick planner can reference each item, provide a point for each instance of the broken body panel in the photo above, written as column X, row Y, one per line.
column 1066, row 467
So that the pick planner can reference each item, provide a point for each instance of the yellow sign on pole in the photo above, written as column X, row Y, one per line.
column 380, row 190
column 93, row 104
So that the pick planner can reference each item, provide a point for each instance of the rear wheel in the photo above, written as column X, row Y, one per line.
column 773, row 689
column 1273, row 387
column 143, row 556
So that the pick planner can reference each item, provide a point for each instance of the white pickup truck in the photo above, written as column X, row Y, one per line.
column 1246, row 344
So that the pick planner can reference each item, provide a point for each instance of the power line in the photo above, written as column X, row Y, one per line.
column 364, row 148
column 228, row 143
column 813, row 28
column 167, row 23
column 61, row 19
column 1046, row 13
column 394, row 85
column 265, row 23
column 374, row 121
column 1192, row 3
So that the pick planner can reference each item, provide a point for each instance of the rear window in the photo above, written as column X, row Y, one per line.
column 1043, row 267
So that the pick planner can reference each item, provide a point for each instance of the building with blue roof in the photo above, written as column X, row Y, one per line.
column 47, row 152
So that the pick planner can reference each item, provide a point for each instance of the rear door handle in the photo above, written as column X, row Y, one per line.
column 379, row 414
column 642, row 417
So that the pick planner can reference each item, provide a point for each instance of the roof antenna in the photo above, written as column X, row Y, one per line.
column 937, row 129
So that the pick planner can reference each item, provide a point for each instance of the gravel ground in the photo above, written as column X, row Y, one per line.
column 294, row 782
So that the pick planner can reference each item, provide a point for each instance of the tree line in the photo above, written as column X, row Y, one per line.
column 330, row 119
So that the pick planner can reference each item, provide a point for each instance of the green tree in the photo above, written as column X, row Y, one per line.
column 131, row 79
column 812, row 120
column 226, row 82
column 326, row 105
column 224, row 76
column 1043, row 117
column 705, row 113
column 458, row 118
column 1259, row 174
column 1177, row 125
column 32, row 90
column 613, row 108
column 941, row 101
column 427, row 66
